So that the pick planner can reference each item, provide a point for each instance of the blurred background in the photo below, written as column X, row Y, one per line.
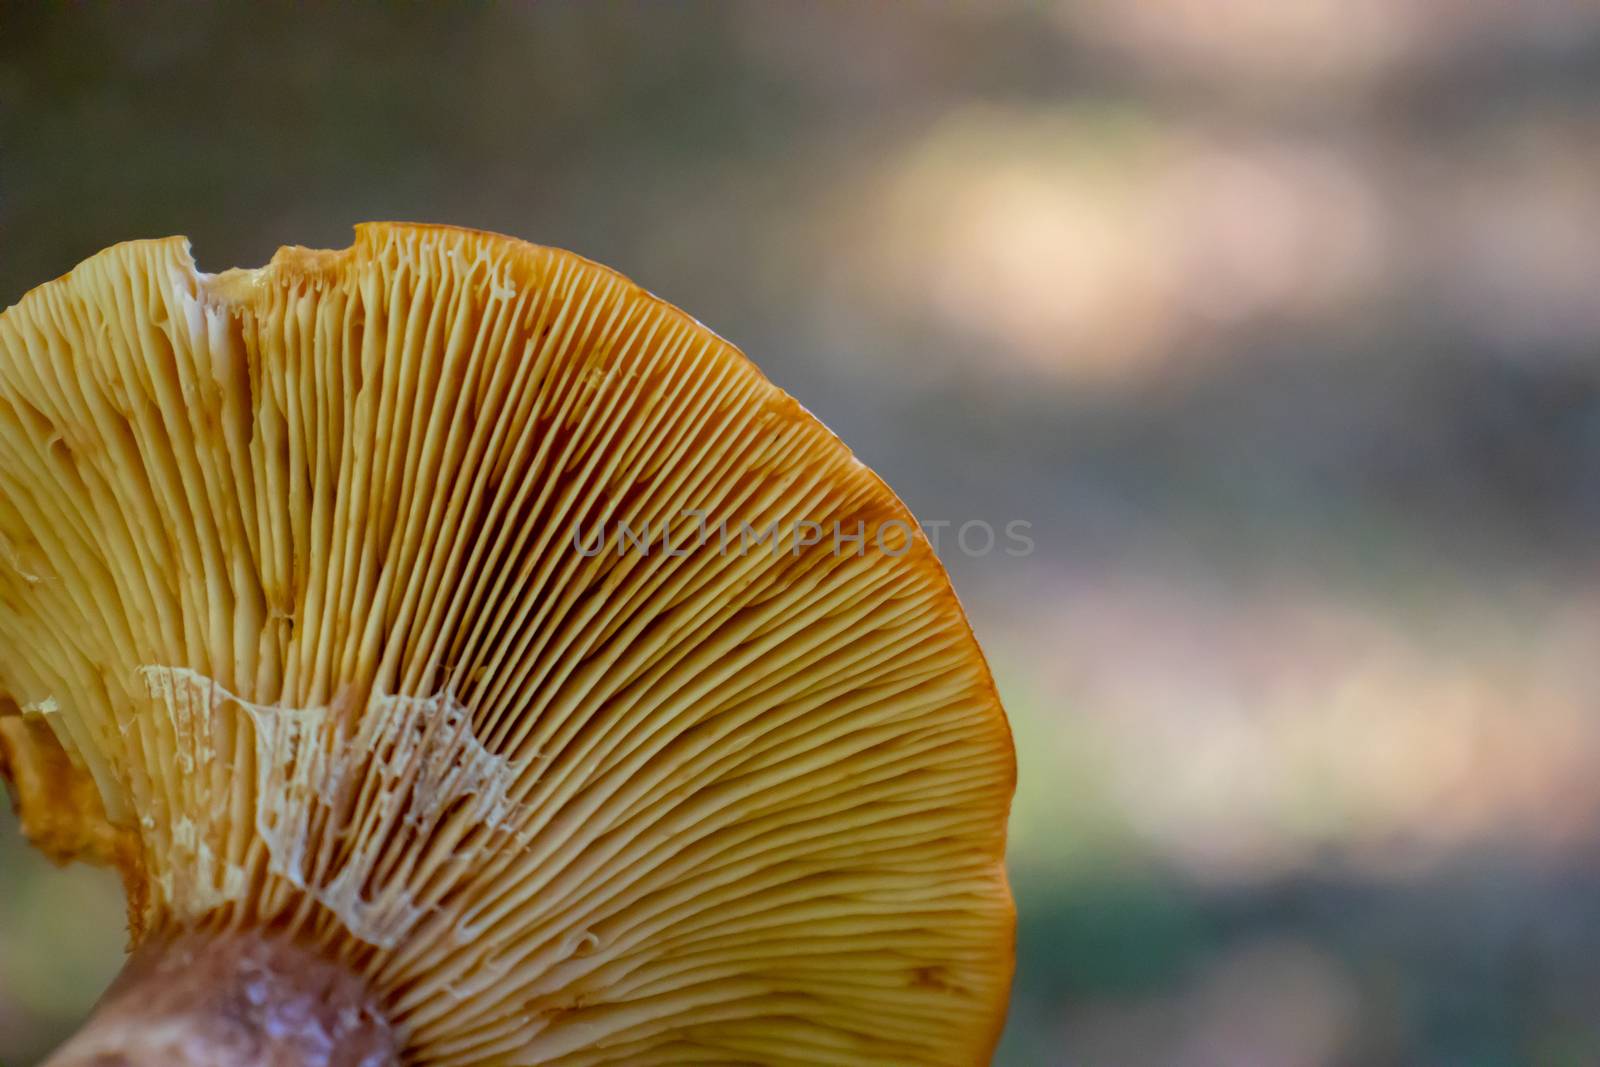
column 1279, row 320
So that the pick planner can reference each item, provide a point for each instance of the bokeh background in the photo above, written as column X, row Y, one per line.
column 1279, row 320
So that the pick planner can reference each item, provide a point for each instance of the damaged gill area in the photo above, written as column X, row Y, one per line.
column 347, row 814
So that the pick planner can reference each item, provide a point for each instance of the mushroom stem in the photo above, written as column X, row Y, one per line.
column 233, row 999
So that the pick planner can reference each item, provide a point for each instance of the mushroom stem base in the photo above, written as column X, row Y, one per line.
column 231, row 1000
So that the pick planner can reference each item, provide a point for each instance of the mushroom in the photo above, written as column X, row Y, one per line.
column 466, row 657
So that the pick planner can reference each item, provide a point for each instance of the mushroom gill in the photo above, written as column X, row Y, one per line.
column 466, row 618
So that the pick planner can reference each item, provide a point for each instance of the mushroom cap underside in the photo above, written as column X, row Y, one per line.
column 460, row 609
